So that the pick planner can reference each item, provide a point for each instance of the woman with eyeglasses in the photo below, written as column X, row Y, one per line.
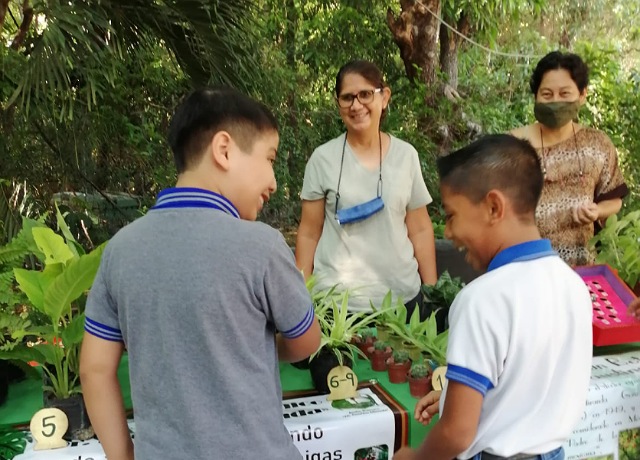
column 364, row 223
column 582, row 182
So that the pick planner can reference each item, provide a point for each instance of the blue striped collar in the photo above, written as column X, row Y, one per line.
column 520, row 252
column 191, row 197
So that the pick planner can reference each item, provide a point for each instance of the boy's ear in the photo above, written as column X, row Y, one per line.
column 220, row 147
column 496, row 204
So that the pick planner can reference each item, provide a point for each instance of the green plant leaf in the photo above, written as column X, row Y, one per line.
column 52, row 245
column 77, row 278
column 34, row 284
column 73, row 333
column 24, row 353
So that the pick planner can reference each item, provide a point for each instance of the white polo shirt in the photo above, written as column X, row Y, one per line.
column 521, row 335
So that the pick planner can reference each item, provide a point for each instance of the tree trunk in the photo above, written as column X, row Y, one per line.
column 449, row 45
column 27, row 17
column 293, row 164
column 4, row 6
column 415, row 31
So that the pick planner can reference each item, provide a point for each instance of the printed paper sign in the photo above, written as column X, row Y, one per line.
column 356, row 428
column 610, row 425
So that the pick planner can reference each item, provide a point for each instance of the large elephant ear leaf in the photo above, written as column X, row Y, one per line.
column 52, row 245
column 77, row 278
column 34, row 284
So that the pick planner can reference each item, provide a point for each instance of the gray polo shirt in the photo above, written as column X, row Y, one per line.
column 197, row 294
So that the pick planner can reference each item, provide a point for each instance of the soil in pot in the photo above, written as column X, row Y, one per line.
column 321, row 365
column 398, row 372
column 419, row 387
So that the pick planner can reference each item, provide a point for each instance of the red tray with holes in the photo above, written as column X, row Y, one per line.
column 610, row 296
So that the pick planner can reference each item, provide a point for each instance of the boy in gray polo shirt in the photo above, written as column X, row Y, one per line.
column 195, row 290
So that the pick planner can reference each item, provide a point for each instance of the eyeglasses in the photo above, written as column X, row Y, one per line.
column 364, row 97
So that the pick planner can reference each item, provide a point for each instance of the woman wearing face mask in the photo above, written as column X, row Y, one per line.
column 364, row 223
column 582, row 181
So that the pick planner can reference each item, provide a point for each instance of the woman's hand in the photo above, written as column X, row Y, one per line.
column 427, row 407
column 585, row 213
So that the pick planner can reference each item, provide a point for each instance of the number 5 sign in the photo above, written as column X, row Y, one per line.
column 47, row 428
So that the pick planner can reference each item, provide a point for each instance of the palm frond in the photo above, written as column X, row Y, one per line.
column 65, row 61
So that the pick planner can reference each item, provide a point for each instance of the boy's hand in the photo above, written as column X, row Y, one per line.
column 406, row 453
column 427, row 407
column 634, row 308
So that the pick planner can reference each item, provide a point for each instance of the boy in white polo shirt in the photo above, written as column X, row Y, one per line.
column 519, row 354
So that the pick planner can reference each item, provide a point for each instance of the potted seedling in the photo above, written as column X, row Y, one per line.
column 379, row 353
column 419, row 380
column 398, row 366
column 58, row 291
column 431, row 343
column 338, row 327
column 407, row 332
column 439, row 297
column 392, row 316
column 365, row 339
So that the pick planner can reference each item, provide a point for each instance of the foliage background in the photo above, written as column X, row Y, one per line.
column 101, row 128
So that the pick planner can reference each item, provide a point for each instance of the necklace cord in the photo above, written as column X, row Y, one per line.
column 575, row 140
column 379, row 188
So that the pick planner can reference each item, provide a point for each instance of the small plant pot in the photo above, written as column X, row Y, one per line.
column 364, row 346
column 414, row 352
column 379, row 360
column 398, row 372
column 383, row 332
column 419, row 387
column 321, row 365
column 395, row 341
column 76, row 412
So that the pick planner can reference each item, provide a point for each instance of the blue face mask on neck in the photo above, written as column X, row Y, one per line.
column 360, row 211
column 364, row 210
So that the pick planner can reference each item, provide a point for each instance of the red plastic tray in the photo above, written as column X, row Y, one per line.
column 610, row 296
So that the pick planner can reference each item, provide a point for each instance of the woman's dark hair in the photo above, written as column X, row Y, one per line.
column 367, row 70
column 555, row 60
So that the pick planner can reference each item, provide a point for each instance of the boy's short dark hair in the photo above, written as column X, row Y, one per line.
column 555, row 60
column 206, row 111
column 495, row 162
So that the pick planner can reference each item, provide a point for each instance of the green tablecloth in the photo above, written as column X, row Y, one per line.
column 25, row 398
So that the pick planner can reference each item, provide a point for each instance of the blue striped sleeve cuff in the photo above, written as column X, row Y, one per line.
column 469, row 378
column 302, row 327
column 102, row 331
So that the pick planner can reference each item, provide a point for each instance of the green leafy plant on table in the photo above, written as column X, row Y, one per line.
column 419, row 380
column 439, row 297
column 58, row 291
column 338, row 329
column 392, row 316
column 418, row 371
column 431, row 342
column 339, row 326
column 618, row 245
